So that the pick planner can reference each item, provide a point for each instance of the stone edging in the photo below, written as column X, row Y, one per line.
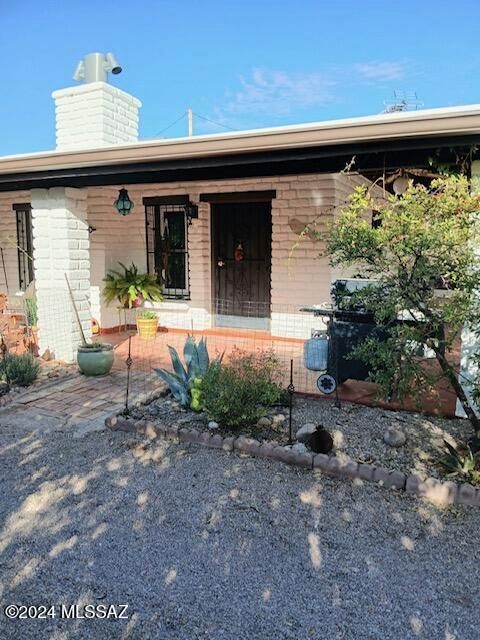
column 442, row 493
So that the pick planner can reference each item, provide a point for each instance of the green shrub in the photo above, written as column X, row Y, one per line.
column 19, row 369
column 147, row 315
column 237, row 394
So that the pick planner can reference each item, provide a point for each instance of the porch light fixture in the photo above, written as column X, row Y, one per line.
column 191, row 211
column 123, row 204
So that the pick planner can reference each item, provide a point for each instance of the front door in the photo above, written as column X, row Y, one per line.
column 242, row 234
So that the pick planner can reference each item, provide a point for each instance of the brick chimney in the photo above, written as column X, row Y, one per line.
column 95, row 114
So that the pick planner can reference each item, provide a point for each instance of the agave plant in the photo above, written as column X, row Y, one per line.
column 466, row 466
column 130, row 285
column 187, row 378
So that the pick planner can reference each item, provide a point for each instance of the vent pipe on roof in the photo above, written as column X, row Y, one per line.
column 94, row 67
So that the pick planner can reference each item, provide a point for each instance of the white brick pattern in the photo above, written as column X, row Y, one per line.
column 299, row 279
column 61, row 246
column 95, row 115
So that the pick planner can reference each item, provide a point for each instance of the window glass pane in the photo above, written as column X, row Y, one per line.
column 175, row 229
column 176, row 271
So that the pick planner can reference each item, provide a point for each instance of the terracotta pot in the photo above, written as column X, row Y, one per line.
column 135, row 303
column 30, row 340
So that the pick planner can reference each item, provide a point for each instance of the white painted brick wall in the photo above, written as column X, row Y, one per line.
column 296, row 280
column 61, row 247
column 95, row 115
column 300, row 279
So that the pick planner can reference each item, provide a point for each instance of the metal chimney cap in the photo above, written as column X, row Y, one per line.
column 94, row 67
column 112, row 64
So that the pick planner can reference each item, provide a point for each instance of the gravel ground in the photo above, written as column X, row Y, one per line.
column 207, row 545
column 357, row 431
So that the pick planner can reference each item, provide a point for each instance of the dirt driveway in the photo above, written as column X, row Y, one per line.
column 201, row 544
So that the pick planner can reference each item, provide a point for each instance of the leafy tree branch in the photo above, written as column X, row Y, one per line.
column 423, row 254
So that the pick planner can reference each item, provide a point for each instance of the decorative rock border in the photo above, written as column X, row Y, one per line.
column 148, row 396
column 436, row 491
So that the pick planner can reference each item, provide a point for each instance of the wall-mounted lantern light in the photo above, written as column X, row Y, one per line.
column 191, row 210
column 123, row 204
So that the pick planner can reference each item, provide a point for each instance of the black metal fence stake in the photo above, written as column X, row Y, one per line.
column 291, row 390
column 129, row 363
column 4, row 351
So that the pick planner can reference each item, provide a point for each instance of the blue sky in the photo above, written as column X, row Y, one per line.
column 241, row 63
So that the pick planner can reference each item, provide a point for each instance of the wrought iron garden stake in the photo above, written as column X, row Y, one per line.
column 4, row 351
column 291, row 390
column 337, row 399
column 129, row 363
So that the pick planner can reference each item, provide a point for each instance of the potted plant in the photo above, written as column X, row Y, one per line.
column 147, row 324
column 95, row 359
column 131, row 288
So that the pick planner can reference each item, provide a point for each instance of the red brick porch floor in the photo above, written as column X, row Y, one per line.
column 149, row 354
column 84, row 402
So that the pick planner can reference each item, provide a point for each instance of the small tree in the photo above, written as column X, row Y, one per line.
column 423, row 250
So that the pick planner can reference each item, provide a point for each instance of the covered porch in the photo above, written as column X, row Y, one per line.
column 147, row 355
column 217, row 220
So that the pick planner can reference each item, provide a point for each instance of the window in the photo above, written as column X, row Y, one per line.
column 167, row 248
column 23, row 214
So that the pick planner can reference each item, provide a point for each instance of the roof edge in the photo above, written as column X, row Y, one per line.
column 461, row 120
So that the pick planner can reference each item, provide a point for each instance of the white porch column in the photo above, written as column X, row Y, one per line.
column 469, row 340
column 61, row 246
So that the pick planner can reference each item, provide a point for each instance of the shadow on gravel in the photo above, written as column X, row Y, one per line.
column 202, row 544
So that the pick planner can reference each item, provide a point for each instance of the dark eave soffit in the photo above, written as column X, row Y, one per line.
column 371, row 156
column 151, row 201
column 238, row 196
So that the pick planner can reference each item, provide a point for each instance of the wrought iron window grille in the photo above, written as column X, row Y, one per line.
column 23, row 214
column 167, row 247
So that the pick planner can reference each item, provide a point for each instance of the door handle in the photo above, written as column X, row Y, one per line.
column 220, row 263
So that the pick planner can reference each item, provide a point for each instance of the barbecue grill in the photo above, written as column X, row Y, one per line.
column 348, row 325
